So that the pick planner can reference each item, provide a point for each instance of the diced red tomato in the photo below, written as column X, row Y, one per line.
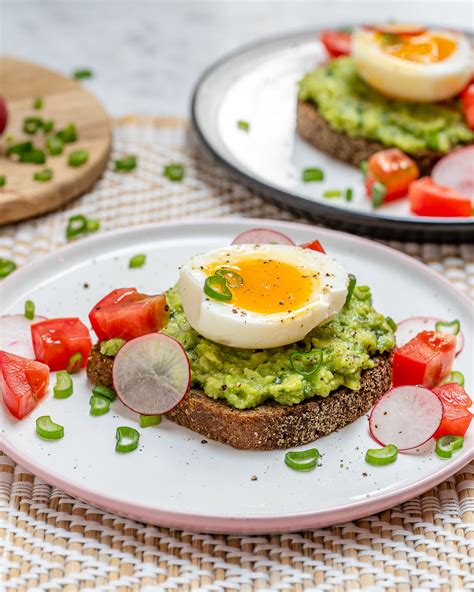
column 314, row 246
column 55, row 341
column 456, row 415
column 429, row 199
column 467, row 99
column 337, row 43
column 126, row 314
column 23, row 383
column 426, row 359
column 394, row 170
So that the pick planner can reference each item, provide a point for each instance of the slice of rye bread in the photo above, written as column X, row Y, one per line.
column 268, row 426
column 313, row 128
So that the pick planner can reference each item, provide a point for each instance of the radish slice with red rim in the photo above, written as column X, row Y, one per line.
column 15, row 335
column 409, row 328
column 151, row 374
column 262, row 236
column 406, row 416
column 455, row 171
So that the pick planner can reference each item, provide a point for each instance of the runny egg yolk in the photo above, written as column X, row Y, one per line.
column 423, row 49
column 270, row 286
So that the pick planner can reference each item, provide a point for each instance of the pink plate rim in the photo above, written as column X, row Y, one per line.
column 242, row 525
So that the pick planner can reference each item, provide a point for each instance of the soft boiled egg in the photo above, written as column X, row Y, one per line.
column 413, row 64
column 275, row 294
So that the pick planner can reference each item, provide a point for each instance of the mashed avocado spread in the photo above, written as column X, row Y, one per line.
column 349, row 105
column 247, row 378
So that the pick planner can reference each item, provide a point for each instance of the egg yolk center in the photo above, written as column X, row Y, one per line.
column 269, row 286
column 423, row 49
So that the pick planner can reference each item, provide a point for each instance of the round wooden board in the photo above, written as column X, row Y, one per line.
column 65, row 101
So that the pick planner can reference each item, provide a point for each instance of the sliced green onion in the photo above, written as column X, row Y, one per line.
column 243, row 125
column 99, row 405
column 174, row 172
column 377, row 194
column 215, row 287
column 47, row 429
column 38, row 103
column 3, row 180
column 64, row 385
column 149, row 420
column 104, row 391
column 34, row 156
column 300, row 360
column 32, row 124
column 54, row 145
column 312, row 174
column 76, row 226
column 302, row 460
column 363, row 166
column 6, row 267
column 126, row 164
column 381, row 456
column 362, row 293
column 82, row 74
column 233, row 279
column 78, row 158
column 75, row 363
column 92, row 225
column 111, row 347
column 68, row 134
column 332, row 193
column 43, row 176
column 30, row 310
column 391, row 323
column 137, row 261
column 350, row 288
column 457, row 377
column 349, row 194
column 20, row 148
column 127, row 439
column 447, row 445
column 452, row 327
column 48, row 126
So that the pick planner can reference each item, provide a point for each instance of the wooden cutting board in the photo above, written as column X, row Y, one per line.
column 64, row 101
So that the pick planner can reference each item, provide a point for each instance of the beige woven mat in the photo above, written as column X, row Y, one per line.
column 51, row 541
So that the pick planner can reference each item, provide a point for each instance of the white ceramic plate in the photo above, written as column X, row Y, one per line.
column 175, row 480
column 258, row 84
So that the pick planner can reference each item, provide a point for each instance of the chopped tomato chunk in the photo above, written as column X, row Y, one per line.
column 429, row 199
column 467, row 99
column 337, row 43
column 126, row 314
column 456, row 414
column 314, row 246
column 23, row 383
column 426, row 359
column 55, row 341
column 394, row 170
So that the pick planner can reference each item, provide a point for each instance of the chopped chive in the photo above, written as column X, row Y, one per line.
column 350, row 288
column 48, row 126
column 363, row 166
column 349, row 194
column 54, row 145
column 104, row 391
column 174, row 172
column 99, row 405
column 137, row 261
column 6, row 267
column 149, row 420
column 78, row 158
column 30, row 310
column 362, row 293
column 47, row 429
column 34, row 156
column 92, row 225
column 43, row 176
column 127, row 439
column 82, row 74
column 126, row 164
column 332, row 193
column 68, row 134
column 377, row 194
column 391, row 323
column 38, row 103
column 20, row 148
column 312, row 174
column 243, row 125
column 32, row 124
column 381, row 456
column 3, row 180
column 302, row 460
column 75, row 363
column 76, row 226
column 64, row 386
column 111, row 347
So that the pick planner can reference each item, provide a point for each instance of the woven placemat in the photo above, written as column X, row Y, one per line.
column 51, row 541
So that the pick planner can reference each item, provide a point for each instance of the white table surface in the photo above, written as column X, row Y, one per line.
column 147, row 55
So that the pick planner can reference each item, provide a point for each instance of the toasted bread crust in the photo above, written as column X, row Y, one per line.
column 313, row 128
column 269, row 426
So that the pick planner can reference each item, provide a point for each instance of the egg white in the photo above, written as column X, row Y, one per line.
column 412, row 81
column 229, row 325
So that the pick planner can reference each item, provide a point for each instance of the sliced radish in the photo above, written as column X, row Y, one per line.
column 406, row 416
column 408, row 328
column 456, row 171
column 262, row 236
column 15, row 335
column 151, row 374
